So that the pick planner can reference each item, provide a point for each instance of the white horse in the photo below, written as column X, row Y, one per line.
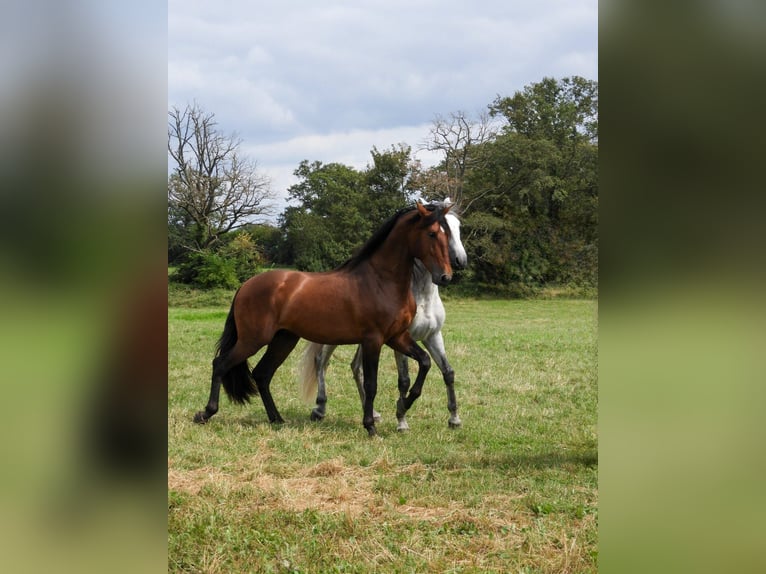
column 426, row 327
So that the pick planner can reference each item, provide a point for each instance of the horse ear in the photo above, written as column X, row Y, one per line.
column 423, row 211
column 445, row 211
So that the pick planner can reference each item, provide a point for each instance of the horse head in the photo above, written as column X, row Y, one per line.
column 458, row 256
column 429, row 242
column 457, row 253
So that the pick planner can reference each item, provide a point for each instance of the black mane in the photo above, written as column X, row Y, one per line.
column 377, row 239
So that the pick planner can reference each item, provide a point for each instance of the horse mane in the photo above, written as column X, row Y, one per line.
column 455, row 207
column 364, row 252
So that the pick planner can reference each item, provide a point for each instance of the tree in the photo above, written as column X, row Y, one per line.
column 549, row 146
column 390, row 182
column 537, row 189
column 212, row 189
column 562, row 111
column 339, row 207
column 457, row 137
column 329, row 222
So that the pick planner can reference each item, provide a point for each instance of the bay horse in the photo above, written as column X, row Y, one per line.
column 367, row 300
column 425, row 327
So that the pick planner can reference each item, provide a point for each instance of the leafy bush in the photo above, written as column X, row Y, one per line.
column 207, row 269
column 232, row 263
column 244, row 255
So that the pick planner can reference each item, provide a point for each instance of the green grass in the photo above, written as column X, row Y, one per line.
column 513, row 490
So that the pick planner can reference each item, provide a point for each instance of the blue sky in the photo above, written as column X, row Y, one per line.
column 328, row 80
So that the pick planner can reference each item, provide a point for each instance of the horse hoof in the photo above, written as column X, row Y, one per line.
column 455, row 424
column 371, row 431
column 315, row 416
column 200, row 418
column 403, row 427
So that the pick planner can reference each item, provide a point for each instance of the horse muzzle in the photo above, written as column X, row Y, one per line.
column 458, row 260
column 441, row 279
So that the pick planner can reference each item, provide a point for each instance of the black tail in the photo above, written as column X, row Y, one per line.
column 237, row 382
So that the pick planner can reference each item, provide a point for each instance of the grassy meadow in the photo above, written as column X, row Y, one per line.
column 513, row 490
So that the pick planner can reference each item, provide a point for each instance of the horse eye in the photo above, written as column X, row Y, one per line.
column 431, row 234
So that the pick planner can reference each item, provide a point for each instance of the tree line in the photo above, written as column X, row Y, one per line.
column 524, row 176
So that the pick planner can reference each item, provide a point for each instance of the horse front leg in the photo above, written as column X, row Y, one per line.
column 358, row 372
column 405, row 344
column 370, row 361
column 435, row 346
column 403, row 370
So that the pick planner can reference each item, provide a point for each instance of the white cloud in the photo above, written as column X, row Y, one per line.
column 279, row 159
column 328, row 80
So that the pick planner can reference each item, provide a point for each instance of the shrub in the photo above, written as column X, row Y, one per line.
column 244, row 255
column 207, row 269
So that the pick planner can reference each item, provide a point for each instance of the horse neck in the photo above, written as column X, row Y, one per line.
column 423, row 287
column 393, row 262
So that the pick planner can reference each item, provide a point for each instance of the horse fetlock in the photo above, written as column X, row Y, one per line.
column 401, row 408
column 369, row 423
column 203, row 416
column 317, row 415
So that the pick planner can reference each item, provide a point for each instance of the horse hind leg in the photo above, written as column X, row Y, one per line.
column 278, row 350
column 358, row 372
column 321, row 359
column 435, row 346
column 201, row 417
column 231, row 370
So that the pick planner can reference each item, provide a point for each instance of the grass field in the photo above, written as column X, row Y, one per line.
column 513, row 490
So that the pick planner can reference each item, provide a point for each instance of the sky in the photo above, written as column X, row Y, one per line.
column 329, row 80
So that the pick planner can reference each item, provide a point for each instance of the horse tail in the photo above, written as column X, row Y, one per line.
column 237, row 382
column 307, row 372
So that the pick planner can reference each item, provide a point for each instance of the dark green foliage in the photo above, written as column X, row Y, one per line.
column 268, row 240
column 559, row 111
column 244, row 254
column 207, row 269
column 235, row 259
column 328, row 224
column 533, row 196
column 504, row 251
column 528, row 189
column 340, row 208
column 389, row 182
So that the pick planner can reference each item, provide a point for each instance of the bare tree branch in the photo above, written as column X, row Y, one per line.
column 456, row 136
column 217, row 189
